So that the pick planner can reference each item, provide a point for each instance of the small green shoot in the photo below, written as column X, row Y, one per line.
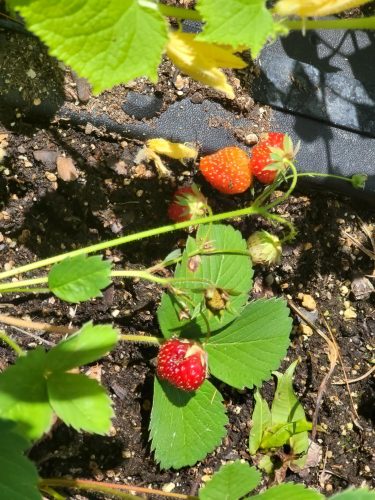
column 284, row 424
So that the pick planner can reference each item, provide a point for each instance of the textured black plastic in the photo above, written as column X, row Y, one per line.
column 326, row 75
column 142, row 105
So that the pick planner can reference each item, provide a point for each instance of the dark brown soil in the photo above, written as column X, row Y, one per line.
column 41, row 215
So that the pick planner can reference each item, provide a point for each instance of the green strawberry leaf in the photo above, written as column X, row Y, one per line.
column 354, row 494
column 85, row 346
column 185, row 426
column 237, row 23
column 106, row 41
column 23, row 395
column 261, row 419
column 289, row 491
column 231, row 482
column 80, row 402
column 226, row 265
column 79, row 278
column 18, row 475
column 254, row 344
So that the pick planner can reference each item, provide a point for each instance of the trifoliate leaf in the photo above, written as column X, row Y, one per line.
column 18, row 475
column 106, row 41
column 85, row 346
column 80, row 402
column 238, row 23
column 185, row 426
column 246, row 352
column 23, row 395
column 79, row 278
column 231, row 482
column 223, row 267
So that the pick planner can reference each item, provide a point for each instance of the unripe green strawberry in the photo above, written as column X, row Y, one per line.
column 264, row 248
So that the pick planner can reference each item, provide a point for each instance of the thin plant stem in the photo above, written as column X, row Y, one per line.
column 148, row 339
column 286, row 195
column 26, row 290
column 364, row 23
column 11, row 343
column 112, row 488
column 128, row 239
column 157, row 279
column 54, row 494
column 281, row 220
column 21, row 284
column 317, row 174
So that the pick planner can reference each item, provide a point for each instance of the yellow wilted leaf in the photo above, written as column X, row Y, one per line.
column 307, row 8
column 155, row 147
column 174, row 150
column 202, row 61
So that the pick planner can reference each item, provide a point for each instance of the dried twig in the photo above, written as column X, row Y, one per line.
column 34, row 325
column 354, row 380
column 332, row 356
column 358, row 244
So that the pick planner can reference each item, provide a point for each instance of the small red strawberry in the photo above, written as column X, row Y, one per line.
column 182, row 363
column 227, row 170
column 269, row 156
column 187, row 203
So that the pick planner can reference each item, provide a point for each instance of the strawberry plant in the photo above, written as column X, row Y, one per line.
column 211, row 333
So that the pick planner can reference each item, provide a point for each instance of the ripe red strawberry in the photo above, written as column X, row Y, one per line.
column 269, row 155
column 227, row 170
column 183, row 364
column 187, row 203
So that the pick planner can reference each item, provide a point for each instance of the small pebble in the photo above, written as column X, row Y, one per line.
column 168, row 487
column 350, row 313
column 308, row 302
column 251, row 139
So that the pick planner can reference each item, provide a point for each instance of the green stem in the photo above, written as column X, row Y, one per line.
column 147, row 339
column 21, row 284
column 178, row 12
column 11, row 343
column 317, row 174
column 363, row 23
column 157, row 279
column 127, row 239
column 292, row 230
column 286, row 195
column 26, row 290
column 54, row 494
column 143, row 275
